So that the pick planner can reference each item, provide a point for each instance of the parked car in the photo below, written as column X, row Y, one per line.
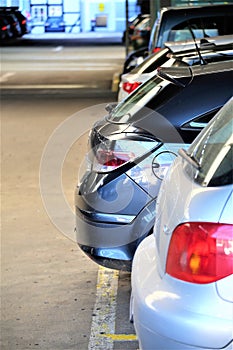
column 141, row 73
column 182, row 275
column 133, row 22
column 54, row 24
column 211, row 49
column 182, row 23
column 14, row 25
column 131, row 149
column 16, row 20
column 22, row 22
column 141, row 34
column 5, row 29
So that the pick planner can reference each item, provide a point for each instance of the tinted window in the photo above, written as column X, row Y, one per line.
column 139, row 98
column 201, row 27
column 212, row 151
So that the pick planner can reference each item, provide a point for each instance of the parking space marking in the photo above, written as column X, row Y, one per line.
column 121, row 337
column 104, row 313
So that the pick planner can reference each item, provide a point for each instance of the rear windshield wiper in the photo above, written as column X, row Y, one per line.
column 189, row 158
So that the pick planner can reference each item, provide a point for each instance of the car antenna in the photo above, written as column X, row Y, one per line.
column 196, row 46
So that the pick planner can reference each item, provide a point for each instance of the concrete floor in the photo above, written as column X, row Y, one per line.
column 47, row 285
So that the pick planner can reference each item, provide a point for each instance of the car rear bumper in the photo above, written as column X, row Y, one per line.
column 167, row 316
column 119, row 258
column 113, row 244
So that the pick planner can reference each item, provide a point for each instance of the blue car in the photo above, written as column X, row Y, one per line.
column 54, row 24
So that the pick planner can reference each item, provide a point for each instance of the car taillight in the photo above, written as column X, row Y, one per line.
column 201, row 252
column 111, row 154
column 129, row 87
column 4, row 28
column 113, row 159
column 156, row 49
column 24, row 21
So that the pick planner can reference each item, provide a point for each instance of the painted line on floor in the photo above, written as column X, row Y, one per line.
column 121, row 337
column 104, row 313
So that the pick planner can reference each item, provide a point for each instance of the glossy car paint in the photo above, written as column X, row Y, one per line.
column 178, row 18
column 5, row 29
column 115, row 210
column 172, row 21
column 170, row 313
column 176, row 53
column 54, row 24
column 139, row 74
column 141, row 34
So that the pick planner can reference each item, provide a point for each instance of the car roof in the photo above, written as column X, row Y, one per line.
column 214, row 67
column 205, row 57
column 173, row 73
column 192, row 92
column 211, row 43
column 194, row 9
column 178, row 50
column 201, row 89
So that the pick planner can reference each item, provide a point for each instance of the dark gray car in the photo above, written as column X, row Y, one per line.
column 130, row 151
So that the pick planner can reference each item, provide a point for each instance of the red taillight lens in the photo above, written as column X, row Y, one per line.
column 111, row 154
column 156, row 49
column 129, row 87
column 201, row 252
column 24, row 21
column 4, row 28
column 113, row 159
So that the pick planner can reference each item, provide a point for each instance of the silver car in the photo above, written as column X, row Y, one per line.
column 182, row 282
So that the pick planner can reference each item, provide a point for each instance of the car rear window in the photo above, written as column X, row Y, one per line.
column 212, row 151
column 140, row 102
column 205, row 25
column 126, row 110
column 200, row 27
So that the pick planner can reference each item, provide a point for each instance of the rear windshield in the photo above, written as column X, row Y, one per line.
column 126, row 110
column 212, row 150
column 203, row 26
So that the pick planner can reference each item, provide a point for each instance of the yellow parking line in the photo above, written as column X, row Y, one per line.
column 104, row 313
column 102, row 335
column 121, row 337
